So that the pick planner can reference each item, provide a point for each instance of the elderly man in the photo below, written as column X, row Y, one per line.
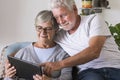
column 89, row 42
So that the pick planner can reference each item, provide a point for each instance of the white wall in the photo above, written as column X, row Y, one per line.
column 17, row 18
column 113, row 15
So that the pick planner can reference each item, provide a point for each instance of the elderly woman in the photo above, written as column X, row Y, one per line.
column 43, row 50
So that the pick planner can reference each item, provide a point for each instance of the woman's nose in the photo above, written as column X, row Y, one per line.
column 43, row 31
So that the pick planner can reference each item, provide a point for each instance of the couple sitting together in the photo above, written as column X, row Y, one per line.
column 82, row 41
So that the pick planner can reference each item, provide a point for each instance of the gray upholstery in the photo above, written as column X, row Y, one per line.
column 13, row 48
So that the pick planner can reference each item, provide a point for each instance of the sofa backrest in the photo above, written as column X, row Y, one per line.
column 14, row 47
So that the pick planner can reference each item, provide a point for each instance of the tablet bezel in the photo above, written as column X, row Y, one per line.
column 24, row 69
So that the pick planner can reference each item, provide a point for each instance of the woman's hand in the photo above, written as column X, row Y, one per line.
column 10, row 71
column 43, row 77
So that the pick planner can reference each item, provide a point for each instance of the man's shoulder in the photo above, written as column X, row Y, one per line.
column 60, row 36
column 61, row 32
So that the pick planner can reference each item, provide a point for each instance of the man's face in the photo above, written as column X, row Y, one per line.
column 65, row 18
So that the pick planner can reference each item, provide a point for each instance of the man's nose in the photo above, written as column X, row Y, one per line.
column 61, row 20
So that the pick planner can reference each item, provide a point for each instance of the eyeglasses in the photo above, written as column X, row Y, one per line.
column 47, row 29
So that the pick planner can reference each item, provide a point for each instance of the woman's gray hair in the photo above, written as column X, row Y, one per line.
column 46, row 16
column 65, row 3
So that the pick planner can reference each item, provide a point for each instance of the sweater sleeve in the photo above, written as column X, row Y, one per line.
column 66, row 73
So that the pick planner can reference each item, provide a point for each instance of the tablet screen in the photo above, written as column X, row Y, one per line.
column 24, row 69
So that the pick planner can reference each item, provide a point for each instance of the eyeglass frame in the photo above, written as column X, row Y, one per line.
column 47, row 29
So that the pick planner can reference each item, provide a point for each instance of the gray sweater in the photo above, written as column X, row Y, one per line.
column 59, row 54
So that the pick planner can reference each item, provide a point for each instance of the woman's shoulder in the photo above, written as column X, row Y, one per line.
column 24, row 50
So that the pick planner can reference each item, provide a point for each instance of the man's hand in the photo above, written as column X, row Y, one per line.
column 50, row 67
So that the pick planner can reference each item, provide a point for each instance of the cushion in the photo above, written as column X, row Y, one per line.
column 13, row 48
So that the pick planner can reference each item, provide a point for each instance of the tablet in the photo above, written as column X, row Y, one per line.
column 24, row 69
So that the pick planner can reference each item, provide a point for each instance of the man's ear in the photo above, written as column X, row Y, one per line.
column 75, row 8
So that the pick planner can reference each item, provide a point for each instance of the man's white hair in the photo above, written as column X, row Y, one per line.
column 65, row 3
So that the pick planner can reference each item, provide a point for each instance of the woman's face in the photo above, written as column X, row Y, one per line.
column 45, row 32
